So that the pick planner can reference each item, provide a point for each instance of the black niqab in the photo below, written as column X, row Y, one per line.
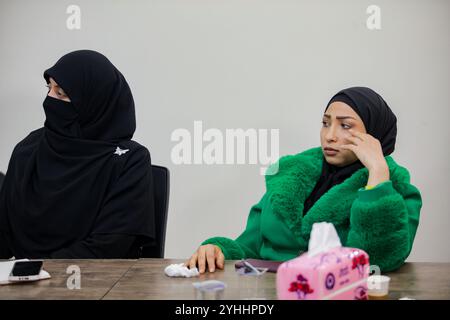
column 66, row 180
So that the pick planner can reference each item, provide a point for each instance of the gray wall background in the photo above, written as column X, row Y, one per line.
column 245, row 64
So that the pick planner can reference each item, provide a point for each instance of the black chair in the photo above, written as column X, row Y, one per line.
column 2, row 177
column 161, row 186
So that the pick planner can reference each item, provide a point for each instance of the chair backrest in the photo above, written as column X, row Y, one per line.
column 2, row 177
column 161, row 189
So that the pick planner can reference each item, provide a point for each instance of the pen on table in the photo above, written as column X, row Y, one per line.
column 248, row 264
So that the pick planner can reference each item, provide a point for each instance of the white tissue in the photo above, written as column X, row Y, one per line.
column 180, row 270
column 323, row 238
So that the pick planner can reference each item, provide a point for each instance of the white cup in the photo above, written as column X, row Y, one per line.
column 378, row 285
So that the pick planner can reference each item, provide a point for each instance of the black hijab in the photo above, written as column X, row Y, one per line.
column 66, row 180
column 380, row 122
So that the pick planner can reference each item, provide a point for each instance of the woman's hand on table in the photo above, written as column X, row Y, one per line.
column 208, row 255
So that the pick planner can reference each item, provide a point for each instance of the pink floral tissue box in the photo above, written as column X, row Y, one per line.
column 339, row 273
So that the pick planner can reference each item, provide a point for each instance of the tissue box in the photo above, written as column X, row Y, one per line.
column 339, row 273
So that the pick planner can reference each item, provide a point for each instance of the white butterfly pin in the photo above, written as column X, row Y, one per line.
column 121, row 151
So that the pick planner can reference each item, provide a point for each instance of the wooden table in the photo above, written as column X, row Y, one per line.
column 97, row 279
column 145, row 279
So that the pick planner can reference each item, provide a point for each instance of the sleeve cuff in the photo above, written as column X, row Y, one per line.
column 374, row 193
column 230, row 249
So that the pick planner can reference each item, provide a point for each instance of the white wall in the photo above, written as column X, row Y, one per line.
column 245, row 64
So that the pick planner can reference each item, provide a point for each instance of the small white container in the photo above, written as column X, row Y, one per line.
column 378, row 285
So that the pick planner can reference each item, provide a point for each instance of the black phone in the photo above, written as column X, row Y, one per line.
column 26, row 270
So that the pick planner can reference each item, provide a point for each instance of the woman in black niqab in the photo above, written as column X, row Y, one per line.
column 80, row 187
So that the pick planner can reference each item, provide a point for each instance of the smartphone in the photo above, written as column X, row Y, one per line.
column 26, row 270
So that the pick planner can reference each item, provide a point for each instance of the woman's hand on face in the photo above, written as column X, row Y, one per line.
column 367, row 149
column 207, row 255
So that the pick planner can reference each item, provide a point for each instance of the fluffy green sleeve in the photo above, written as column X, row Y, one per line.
column 383, row 222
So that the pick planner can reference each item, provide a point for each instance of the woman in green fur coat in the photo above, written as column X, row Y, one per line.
column 350, row 181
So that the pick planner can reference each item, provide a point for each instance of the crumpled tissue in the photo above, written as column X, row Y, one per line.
column 180, row 270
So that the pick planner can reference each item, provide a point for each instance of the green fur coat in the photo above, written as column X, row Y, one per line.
column 382, row 221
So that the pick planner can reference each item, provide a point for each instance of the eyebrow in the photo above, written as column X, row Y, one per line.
column 339, row 117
